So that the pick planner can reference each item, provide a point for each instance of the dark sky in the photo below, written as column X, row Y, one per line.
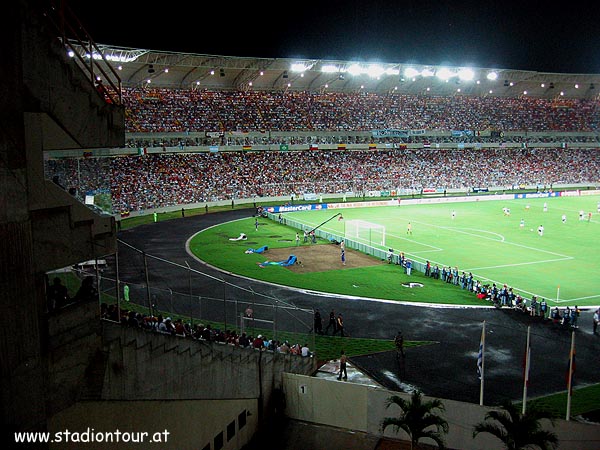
column 526, row 35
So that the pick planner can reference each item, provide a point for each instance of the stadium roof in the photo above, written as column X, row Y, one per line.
column 143, row 68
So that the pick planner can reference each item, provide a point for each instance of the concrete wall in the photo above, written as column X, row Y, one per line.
column 77, row 117
column 147, row 365
column 361, row 408
column 190, row 424
column 105, row 376
column 73, row 341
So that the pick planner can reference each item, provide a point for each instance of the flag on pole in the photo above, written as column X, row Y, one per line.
column 527, row 361
column 526, row 367
column 480, row 357
column 570, row 369
column 570, row 372
column 481, row 363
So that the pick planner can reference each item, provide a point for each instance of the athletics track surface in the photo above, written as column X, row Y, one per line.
column 446, row 369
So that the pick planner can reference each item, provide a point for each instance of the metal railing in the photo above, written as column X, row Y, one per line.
column 86, row 53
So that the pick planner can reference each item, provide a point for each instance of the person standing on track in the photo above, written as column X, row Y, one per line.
column 318, row 322
column 399, row 342
column 339, row 325
column 332, row 322
column 343, row 362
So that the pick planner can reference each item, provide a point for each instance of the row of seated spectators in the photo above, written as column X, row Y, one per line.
column 158, row 180
column 205, row 332
column 267, row 139
column 181, row 110
column 505, row 296
column 57, row 294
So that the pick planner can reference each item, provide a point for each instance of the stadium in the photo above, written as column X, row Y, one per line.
column 234, row 196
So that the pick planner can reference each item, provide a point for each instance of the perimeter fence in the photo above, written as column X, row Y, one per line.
column 151, row 285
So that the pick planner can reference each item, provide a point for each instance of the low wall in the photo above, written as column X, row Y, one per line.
column 143, row 365
column 361, row 408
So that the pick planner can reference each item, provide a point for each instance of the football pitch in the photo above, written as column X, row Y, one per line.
column 562, row 265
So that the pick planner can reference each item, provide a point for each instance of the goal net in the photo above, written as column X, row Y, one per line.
column 363, row 231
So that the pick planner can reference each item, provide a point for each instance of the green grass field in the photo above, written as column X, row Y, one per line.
column 560, row 266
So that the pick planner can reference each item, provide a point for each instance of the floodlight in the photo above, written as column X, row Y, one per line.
column 298, row 67
column 374, row 71
column 444, row 74
column 329, row 68
column 411, row 72
column 466, row 74
column 492, row 76
column 354, row 69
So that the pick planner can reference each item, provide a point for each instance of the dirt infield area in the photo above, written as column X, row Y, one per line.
column 320, row 258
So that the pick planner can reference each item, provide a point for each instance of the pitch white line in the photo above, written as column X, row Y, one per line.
column 519, row 264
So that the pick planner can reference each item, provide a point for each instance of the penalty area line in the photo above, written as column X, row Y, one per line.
column 566, row 258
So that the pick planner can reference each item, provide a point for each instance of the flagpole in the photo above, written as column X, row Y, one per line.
column 482, row 357
column 570, row 375
column 526, row 374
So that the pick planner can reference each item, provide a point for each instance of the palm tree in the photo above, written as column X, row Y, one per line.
column 518, row 431
column 416, row 417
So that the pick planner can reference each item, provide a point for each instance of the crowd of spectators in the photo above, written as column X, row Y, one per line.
column 169, row 179
column 204, row 332
column 164, row 141
column 503, row 296
column 185, row 110
column 160, row 180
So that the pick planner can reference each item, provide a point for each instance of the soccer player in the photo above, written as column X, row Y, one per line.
column 522, row 223
column 541, row 230
column 564, row 218
column 453, row 214
column 545, row 207
column 409, row 229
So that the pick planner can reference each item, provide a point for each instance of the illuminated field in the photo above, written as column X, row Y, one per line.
column 561, row 266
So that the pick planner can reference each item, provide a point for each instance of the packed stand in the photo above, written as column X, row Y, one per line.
column 160, row 180
column 185, row 110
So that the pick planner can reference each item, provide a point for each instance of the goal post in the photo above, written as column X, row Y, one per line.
column 363, row 231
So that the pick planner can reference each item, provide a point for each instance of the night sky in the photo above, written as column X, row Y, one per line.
column 522, row 35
